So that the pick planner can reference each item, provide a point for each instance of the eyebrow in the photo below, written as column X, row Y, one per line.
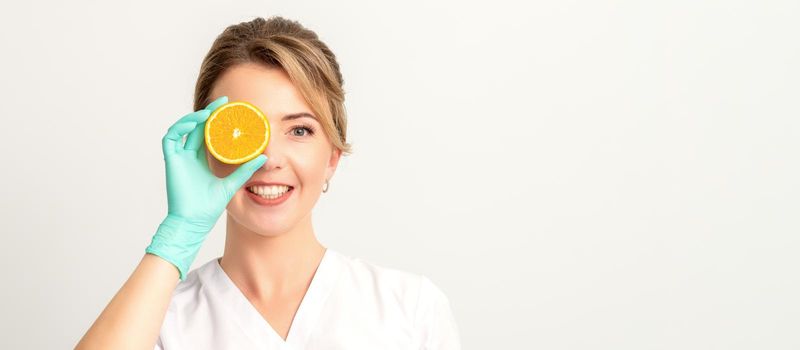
column 298, row 116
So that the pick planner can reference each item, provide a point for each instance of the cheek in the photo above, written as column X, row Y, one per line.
column 311, row 167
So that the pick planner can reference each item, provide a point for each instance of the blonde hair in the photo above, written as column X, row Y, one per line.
column 286, row 44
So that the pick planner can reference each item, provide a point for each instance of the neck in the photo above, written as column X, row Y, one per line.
column 267, row 266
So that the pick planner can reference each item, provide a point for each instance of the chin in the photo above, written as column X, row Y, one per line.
column 262, row 226
column 266, row 229
column 269, row 234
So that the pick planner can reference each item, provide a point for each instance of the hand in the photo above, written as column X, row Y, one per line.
column 195, row 196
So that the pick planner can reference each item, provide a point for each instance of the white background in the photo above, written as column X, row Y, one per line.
column 573, row 174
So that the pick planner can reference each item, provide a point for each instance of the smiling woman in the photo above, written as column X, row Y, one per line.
column 275, row 286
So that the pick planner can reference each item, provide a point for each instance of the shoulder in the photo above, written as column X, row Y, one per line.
column 368, row 274
column 416, row 290
column 422, row 302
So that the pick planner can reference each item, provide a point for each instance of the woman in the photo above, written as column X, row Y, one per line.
column 275, row 286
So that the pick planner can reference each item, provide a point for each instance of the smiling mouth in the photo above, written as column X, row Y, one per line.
column 274, row 194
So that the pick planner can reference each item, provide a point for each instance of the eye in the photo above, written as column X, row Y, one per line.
column 308, row 128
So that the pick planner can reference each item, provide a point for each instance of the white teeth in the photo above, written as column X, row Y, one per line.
column 269, row 192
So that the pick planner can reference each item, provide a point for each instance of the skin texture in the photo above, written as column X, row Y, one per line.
column 272, row 253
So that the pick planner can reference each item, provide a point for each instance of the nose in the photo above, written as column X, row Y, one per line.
column 275, row 157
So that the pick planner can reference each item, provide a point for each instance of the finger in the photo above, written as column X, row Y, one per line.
column 202, row 156
column 236, row 180
column 196, row 137
column 197, row 116
column 218, row 102
column 174, row 137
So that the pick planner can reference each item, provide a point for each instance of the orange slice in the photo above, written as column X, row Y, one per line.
column 236, row 132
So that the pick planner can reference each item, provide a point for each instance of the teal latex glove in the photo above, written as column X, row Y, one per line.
column 196, row 197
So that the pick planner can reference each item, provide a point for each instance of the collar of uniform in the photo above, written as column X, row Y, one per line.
column 251, row 321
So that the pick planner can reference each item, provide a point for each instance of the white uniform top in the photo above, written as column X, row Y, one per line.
column 350, row 304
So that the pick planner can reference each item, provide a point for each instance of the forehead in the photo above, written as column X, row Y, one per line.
column 269, row 89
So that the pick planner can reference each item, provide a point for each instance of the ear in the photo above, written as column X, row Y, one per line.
column 333, row 163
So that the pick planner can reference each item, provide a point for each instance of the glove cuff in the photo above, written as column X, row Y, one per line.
column 178, row 241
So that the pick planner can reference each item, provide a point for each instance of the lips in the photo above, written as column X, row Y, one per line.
column 270, row 202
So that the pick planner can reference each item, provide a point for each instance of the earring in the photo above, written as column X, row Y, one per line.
column 326, row 187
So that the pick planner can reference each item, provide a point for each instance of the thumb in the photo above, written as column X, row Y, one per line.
column 236, row 180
